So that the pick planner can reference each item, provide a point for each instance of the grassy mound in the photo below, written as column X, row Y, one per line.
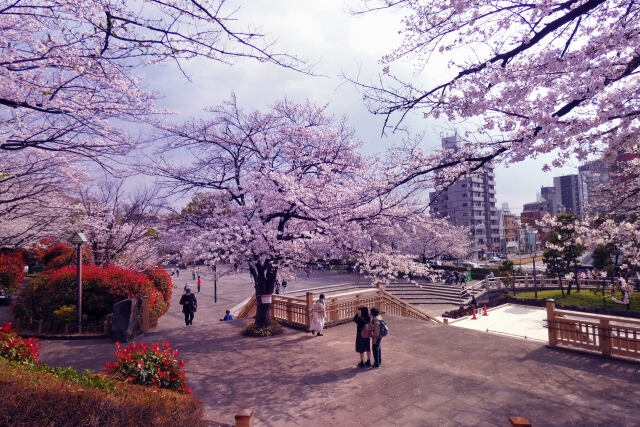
column 250, row 330
column 585, row 298
column 44, row 395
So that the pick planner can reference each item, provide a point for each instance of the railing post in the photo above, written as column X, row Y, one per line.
column 551, row 324
column 244, row 418
column 289, row 314
column 379, row 302
column 309, row 308
column 604, row 333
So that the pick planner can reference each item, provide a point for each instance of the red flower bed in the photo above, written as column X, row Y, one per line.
column 102, row 287
column 161, row 280
column 13, row 347
column 11, row 271
column 157, row 366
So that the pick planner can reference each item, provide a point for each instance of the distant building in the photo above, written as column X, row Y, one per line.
column 512, row 240
column 568, row 193
column 548, row 194
column 592, row 175
column 471, row 202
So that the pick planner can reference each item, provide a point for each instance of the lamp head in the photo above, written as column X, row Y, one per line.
column 79, row 238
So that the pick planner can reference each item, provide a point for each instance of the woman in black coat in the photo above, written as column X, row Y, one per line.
column 363, row 345
column 189, row 305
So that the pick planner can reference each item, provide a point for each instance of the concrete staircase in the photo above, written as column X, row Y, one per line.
column 329, row 290
column 427, row 293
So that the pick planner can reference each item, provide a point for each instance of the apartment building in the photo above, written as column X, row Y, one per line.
column 471, row 202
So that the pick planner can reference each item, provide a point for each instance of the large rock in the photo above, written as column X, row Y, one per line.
column 129, row 319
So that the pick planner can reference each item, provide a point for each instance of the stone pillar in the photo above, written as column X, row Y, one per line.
column 551, row 324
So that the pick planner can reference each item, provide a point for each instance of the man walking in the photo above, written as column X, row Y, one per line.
column 199, row 283
column 189, row 305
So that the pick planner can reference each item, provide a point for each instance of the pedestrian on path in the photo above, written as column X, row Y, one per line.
column 376, row 337
column 178, row 271
column 199, row 283
column 284, row 287
column 319, row 315
column 189, row 305
column 363, row 335
column 193, row 274
column 227, row 317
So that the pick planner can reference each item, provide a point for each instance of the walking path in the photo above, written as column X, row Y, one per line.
column 431, row 374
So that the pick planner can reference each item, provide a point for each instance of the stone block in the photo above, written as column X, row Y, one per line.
column 126, row 322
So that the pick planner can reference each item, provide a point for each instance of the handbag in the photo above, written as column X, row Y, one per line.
column 367, row 331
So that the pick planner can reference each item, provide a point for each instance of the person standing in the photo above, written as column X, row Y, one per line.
column 284, row 287
column 189, row 305
column 319, row 315
column 178, row 271
column 193, row 275
column 199, row 283
column 363, row 335
column 376, row 337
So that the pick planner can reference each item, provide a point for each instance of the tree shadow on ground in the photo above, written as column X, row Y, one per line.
column 592, row 363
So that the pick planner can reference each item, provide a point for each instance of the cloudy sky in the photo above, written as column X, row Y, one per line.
column 335, row 43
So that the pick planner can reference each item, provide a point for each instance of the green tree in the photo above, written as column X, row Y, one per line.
column 563, row 250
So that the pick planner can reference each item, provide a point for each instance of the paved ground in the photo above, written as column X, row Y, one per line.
column 515, row 320
column 431, row 374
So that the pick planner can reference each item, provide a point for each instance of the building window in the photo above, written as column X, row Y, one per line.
column 464, row 204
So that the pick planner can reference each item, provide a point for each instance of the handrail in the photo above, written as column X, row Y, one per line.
column 340, row 307
column 609, row 335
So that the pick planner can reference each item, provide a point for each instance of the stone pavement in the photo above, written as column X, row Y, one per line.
column 431, row 374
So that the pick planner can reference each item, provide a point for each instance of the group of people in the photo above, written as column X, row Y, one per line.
column 370, row 330
column 455, row 278
column 281, row 288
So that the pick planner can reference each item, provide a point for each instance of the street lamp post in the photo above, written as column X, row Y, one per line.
column 215, row 283
column 79, row 239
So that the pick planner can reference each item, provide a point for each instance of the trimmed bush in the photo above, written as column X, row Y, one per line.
column 51, row 290
column 154, row 367
column 250, row 330
column 64, row 397
column 11, row 271
column 160, row 279
column 18, row 349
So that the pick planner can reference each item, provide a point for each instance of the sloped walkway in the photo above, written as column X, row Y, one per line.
column 431, row 375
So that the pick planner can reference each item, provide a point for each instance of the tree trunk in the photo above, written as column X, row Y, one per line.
column 560, row 283
column 264, row 280
column 577, row 280
column 263, row 314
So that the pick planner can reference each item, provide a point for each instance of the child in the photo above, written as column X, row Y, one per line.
column 227, row 317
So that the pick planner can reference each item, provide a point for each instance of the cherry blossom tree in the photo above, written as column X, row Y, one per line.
column 70, row 88
column 280, row 189
column 527, row 78
column 34, row 195
column 68, row 67
column 121, row 228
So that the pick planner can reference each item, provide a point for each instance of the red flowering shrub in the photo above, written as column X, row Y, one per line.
column 11, row 271
column 61, row 254
column 13, row 347
column 160, row 279
column 154, row 367
column 102, row 287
